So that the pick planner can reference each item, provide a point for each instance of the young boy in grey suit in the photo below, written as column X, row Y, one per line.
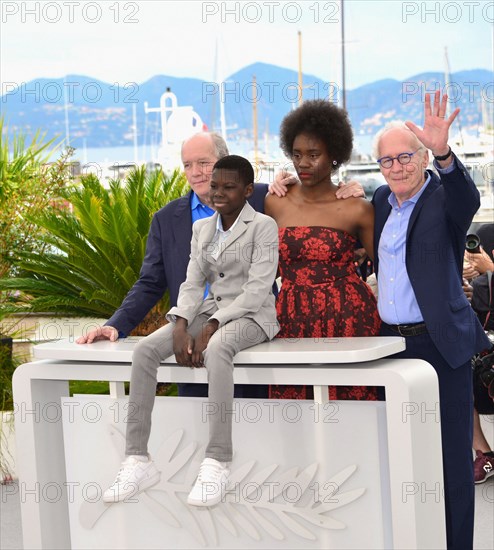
column 235, row 255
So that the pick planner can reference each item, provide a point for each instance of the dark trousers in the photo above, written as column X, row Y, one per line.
column 456, row 410
column 252, row 391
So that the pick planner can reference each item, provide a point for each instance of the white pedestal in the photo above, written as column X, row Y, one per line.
column 306, row 475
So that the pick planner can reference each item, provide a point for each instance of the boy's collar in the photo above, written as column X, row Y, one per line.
column 219, row 223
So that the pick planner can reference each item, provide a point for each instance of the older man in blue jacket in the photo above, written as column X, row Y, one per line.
column 421, row 221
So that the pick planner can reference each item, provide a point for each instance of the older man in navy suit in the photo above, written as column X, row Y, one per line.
column 421, row 221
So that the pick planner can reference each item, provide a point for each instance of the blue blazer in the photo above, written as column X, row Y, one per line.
column 166, row 259
column 434, row 260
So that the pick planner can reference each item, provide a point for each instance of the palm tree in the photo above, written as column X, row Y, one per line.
column 93, row 248
column 27, row 184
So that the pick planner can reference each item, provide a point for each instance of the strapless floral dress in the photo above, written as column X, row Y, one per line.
column 321, row 297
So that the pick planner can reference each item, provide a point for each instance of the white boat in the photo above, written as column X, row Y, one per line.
column 178, row 122
column 477, row 154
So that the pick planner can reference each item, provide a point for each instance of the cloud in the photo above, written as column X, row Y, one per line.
column 132, row 41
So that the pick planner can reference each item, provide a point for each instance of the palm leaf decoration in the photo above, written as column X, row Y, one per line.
column 93, row 247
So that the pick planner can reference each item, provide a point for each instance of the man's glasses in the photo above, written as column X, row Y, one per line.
column 402, row 158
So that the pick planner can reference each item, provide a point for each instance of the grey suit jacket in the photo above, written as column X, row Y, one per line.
column 240, row 279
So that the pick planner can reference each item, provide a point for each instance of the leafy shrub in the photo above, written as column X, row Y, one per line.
column 88, row 254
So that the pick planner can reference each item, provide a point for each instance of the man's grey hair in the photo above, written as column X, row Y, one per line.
column 220, row 146
column 391, row 126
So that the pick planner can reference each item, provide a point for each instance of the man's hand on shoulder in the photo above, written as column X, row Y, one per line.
column 350, row 189
column 282, row 181
column 100, row 333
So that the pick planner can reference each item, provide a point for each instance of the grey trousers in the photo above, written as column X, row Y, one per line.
column 225, row 343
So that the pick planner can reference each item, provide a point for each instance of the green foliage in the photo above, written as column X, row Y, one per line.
column 27, row 185
column 90, row 252
column 91, row 387
column 7, row 367
column 8, row 363
column 103, row 388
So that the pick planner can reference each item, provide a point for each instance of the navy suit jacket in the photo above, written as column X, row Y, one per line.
column 434, row 260
column 165, row 263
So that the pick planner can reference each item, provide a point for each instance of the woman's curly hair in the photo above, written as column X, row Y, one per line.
column 323, row 120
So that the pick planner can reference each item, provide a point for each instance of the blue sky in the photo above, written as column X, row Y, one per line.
column 131, row 41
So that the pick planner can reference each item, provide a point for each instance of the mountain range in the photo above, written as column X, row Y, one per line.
column 100, row 113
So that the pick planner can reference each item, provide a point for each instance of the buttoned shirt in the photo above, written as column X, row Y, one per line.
column 396, row 303
column 221, row 235
column 199, row 210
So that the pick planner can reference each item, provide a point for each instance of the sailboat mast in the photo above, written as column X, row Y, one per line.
column 343, row 74
column 134, row 132
column 266, row 139
column 66, row 113
column 300, row 83
column 218, row 77
column 215, row 79
column 254, row 119
column 222, row 110
column 447, row 72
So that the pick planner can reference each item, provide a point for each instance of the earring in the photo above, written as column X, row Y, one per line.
column 335, row 162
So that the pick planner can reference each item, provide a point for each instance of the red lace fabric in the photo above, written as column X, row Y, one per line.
column 321, row 296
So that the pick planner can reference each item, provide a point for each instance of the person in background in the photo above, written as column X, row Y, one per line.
column 480, row 262
column 483, row 305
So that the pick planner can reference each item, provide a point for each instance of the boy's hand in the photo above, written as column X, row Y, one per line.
column 202, row 341
column 183, row 343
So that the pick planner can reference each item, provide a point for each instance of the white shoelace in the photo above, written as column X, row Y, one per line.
column 209, row 473
column 126, row 469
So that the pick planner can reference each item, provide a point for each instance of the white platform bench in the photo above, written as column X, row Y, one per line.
column 308, row 474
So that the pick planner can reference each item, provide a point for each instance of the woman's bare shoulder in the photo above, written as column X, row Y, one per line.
column 274, row 204
column 360, row 204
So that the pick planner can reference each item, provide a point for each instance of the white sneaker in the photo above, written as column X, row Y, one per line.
column 134, row 476
column 210, row 485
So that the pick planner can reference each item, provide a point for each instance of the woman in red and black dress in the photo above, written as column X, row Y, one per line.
column 321, row 294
